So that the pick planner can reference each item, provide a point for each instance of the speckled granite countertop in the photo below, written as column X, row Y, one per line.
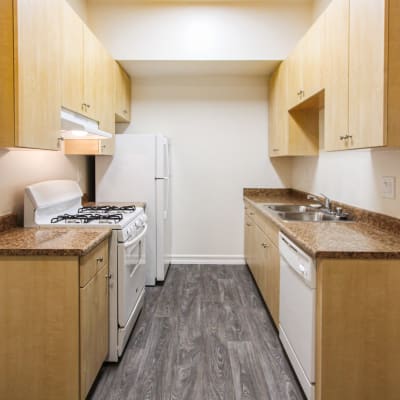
column 370, row 235
column 58, row 241
column 50, row 241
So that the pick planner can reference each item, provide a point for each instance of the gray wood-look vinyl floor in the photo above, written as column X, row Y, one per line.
column 204, row 335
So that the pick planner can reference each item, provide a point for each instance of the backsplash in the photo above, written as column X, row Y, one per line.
column 20, row 168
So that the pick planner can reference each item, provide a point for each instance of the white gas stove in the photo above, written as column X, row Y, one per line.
column 58, row 203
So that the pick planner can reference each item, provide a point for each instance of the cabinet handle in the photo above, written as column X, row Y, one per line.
column 275, row 150
column 108, row 276
column 251, row 213
column 125, row 112
column 248, row 224
column 88, row 105
column 346, row 137
column 100, row 259
column 264, row 245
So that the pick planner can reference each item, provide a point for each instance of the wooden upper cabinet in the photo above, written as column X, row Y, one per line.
column 87, row 72
column 367, row 72
column 122, row 95
column 6, row 73
column 362, row 66
column 295, row 76
column 293, row 133
column 277, row 114
column 304, row 65
column 336, row 75
column 30, row 66
column 72, row 60
column 98, row 78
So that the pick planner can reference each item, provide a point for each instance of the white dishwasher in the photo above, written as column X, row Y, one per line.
column 297, row 311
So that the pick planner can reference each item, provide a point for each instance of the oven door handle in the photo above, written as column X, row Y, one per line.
column 135, row 239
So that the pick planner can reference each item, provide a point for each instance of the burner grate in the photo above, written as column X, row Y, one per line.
column 86, row 218
column 106, row 209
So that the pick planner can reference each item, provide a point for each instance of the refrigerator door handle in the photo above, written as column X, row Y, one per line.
column 166, row 158
column 163, row 178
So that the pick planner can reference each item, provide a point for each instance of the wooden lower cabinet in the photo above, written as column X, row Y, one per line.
column 93, row 328
column 53, row 333
column 357, row 316
column 358, row 329
column 262, row 257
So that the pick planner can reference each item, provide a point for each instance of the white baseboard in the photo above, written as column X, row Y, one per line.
column 207, row 259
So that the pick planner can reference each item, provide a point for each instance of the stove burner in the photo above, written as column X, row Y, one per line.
column 107, row 209
column 86, row 218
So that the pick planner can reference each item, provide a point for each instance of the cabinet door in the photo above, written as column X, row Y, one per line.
column 122, row 95
column 38, row 86
column 93, row 328
column 367, row 122
column 6, row 74
column 262, row 244
column 72, row 60
column 336, row 75
column 273, row 279
column 311, row 59
column 98, row 77
column 247, row 239
column 295, row 75
column 278, row 117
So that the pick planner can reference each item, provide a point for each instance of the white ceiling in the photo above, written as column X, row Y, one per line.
column 144, row 69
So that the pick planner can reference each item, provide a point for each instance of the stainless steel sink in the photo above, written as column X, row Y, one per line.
column 310, row 216
column 289, row 208
column 303, row 213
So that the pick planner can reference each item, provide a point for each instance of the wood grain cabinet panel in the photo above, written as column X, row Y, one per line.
column 358, row 329
column 53, row 334
column 262, row 257
column 72, row 60
column 304, row 65
column 362, row 79
column 87, row 71
column 294, row 133
column 336, row 75
column 6, row 73
column 93, row 328
column 278, row 119
column 35, row 100
column 122, row 94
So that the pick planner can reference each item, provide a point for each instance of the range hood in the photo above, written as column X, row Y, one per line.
column 76, row 126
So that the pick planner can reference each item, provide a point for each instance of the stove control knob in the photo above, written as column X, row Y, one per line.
column 138, row 224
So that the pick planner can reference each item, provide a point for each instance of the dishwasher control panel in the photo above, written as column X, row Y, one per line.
column 298, row 260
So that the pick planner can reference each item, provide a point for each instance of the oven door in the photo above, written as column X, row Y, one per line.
column 131, row 275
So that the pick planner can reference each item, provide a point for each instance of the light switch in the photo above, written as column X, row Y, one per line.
column 389, row 187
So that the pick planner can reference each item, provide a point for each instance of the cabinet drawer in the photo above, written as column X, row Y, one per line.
column 93, row 262
column 268, row 227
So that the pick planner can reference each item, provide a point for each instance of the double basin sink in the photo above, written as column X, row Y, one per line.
column 294, row 212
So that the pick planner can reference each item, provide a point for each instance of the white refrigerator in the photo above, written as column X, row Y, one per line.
column 140, row 171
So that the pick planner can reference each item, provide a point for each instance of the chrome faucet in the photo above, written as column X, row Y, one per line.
column 325, row 203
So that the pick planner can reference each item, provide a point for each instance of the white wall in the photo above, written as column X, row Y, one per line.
column 353, row 176
column 23, row 167
column 218, row 131
column 250, row 31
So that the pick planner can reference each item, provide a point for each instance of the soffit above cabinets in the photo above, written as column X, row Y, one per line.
column 187, row 68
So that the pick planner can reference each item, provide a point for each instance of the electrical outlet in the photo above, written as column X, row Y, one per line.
column 389, row 187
